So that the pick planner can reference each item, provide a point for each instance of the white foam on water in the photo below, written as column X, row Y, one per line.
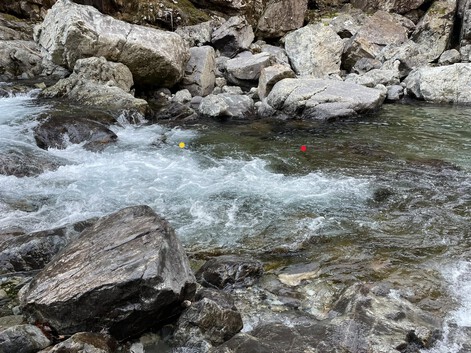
column 457, row 327
column 208, row 200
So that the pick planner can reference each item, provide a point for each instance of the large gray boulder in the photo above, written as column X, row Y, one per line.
column 71, row 32
column 245, row 70
column 434, row 31
column 226, row 106
column 200, row 75
column 443, row 84
column 314, row 50
column 98, row 82
column 378, row 31
column 23, row 338
column 464, row 16
column 309, row 98
column 280, row 17
column 233, row 36
column 126, row 273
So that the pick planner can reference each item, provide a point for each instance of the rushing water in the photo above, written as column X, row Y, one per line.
column 382, row 197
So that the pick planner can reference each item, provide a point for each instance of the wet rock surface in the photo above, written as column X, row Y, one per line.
column 229, row 271
column 128, row 282
column 60, row 131
column 21, row 160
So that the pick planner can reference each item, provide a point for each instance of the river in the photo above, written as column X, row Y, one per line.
column 383, row 198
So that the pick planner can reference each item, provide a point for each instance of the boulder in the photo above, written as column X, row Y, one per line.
column 449, row 57
column 226, row 105
column 23, row 338
column 196, row 35
column 271, row 75
column 434, row 30
column 281, row 17
column 443, row 84
column 98, row 82
column 29, row 251
column 319, row 99
column 396, row 6
column 60, row 131
column 200, row 74
column 126, row 273
column 229, row 271
column 375, row 77
column 245, row 70
column 86, row 342
column 277, row 54
column 347, row 24
column 71, row 32
column 314, row 50
column 22, row 160
column 378, row 31
column 20, row 59
column 211, row 320
column 395, row 93
column 233, row 36
column 405, row 57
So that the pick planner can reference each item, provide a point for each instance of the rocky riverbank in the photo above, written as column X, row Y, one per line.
column 123, row 283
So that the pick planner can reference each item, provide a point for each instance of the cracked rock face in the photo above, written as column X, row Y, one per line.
column 71, row 32
column 126, row 273
column 321, row 99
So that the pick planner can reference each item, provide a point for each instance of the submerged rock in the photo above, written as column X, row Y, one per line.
column 22, row 160
column 443, row 84
column 309, row 98
column 71, row 32
column 126, row 273
column 229, row 271
column 60, row 131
